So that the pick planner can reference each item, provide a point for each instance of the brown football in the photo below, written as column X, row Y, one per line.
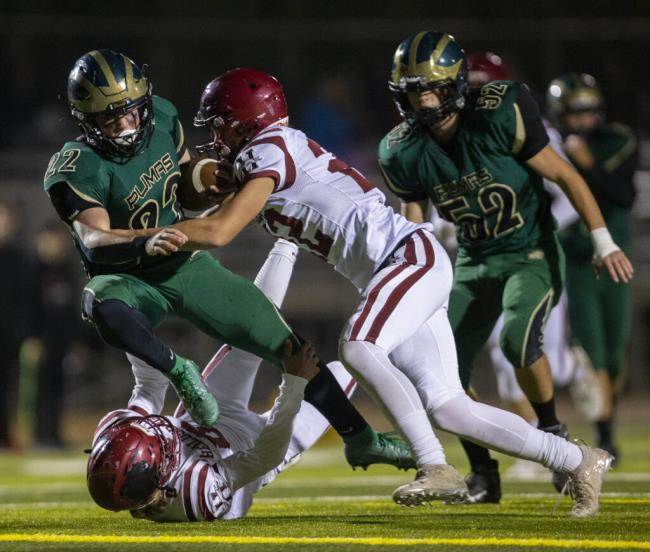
column 196, row 179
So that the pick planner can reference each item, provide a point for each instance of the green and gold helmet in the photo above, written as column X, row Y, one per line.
column 429, row 60
column 573, row 93
column 104, row 85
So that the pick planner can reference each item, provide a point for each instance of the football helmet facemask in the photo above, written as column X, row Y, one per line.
column 236, row 106
column 429, row 61
column 573, row 93
column 131, row 461
column 104, row 85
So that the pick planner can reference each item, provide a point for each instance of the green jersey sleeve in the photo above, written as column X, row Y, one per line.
column 513, row 117
column 83, row 172
column 167, row 119
column 398, row 163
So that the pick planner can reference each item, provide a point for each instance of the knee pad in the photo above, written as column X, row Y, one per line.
column 108, row 317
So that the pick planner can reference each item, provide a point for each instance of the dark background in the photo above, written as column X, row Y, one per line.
column 329, row 55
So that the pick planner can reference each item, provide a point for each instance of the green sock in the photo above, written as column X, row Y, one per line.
column 365, row 437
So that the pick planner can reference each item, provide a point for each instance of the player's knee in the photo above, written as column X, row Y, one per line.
column 449, row 416
column 522, row 350
column 108, row 317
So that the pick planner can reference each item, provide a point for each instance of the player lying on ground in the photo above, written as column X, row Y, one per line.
column 167, row 468
column 121, row 176
column 398, row 344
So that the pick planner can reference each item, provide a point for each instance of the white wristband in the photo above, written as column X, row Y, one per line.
column 603, row 243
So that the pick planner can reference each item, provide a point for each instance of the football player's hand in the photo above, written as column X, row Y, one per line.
column 578, row 150
column 617, row 264
column 303, row 363
column 165, row 242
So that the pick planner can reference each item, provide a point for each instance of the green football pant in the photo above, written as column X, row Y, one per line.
column 524, row 286
column 599, row 313
column 224, row 305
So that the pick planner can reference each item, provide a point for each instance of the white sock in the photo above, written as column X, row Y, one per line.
column 396, row 395
column 506, row 432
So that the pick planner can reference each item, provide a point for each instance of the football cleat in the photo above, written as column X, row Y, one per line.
column 384, row 448
column 586, row 481
column 483, row 485
column 559, row 479
column 608, row 446
column 432, row 482
column 185, row 376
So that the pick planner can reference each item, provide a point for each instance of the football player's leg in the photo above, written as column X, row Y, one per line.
column 231, row 309
column 616, row 303
column 125, row 310
column 529, row 294
column 474, row 307
column 452, row 410
column 398, row 299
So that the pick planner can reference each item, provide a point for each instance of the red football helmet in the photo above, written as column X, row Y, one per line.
column 238, row 105
column 484, row 67
column 130, row 461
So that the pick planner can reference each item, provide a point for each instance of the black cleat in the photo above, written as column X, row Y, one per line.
column 559, row 480
column 483, row 484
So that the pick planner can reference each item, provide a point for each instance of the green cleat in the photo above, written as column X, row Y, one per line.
column 371, row 447
column 185, row 376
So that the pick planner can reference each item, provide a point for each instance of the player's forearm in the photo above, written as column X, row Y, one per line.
column 111, row 246
column 205, row 233
column 581, row 198
column 271, row 446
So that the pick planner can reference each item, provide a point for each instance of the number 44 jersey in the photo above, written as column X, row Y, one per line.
column 479, row 181
column 322, row 204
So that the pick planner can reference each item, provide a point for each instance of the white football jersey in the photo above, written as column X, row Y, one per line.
column 322, row 204
column 202, row 490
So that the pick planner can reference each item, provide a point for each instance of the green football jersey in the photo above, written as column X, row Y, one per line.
column 479, row 182
column 138, row 192
column 614, row 148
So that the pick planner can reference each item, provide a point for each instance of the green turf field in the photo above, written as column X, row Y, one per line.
column 321, row 504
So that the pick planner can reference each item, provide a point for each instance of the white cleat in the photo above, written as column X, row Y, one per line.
column 587, row 480
column 432, row 482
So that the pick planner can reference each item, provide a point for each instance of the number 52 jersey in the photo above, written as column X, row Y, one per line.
column 322, row 204
column 480, row 181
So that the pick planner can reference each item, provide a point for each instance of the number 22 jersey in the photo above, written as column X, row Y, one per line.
column 322, row 204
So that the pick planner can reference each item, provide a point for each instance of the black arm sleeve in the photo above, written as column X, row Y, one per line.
column 68, row 205
column 118, row 253
column 536, row 137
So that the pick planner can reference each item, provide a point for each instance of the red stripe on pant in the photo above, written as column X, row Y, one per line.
column 396, row 295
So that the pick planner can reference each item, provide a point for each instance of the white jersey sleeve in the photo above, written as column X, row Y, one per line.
column 150, row 387
column 321, row 204
column 271, row 446
column 267, row 157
